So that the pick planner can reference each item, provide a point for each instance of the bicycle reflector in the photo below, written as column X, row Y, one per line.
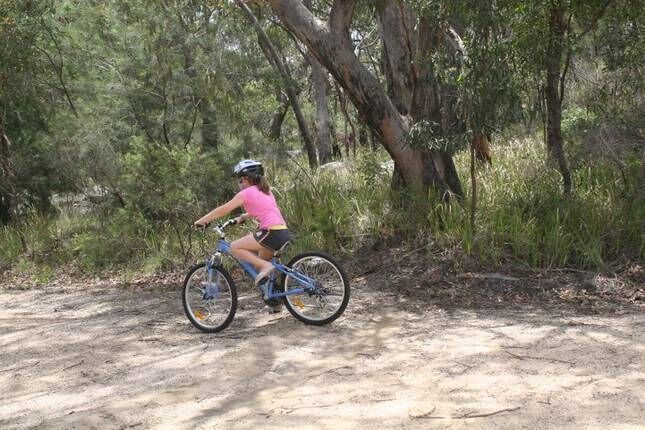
column 298, row 302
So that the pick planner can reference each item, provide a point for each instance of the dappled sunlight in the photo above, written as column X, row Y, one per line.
column 382, row 363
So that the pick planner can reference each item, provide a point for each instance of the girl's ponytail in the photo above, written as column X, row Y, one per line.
column 263, row 185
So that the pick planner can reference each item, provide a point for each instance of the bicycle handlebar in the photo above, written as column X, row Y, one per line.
column 219, row 228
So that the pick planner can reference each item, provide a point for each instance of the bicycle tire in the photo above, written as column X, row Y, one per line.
column 198, row 320
column 290, row 300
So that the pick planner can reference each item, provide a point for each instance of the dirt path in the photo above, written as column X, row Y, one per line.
column 116, row 357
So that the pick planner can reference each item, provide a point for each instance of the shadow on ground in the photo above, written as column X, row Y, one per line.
column 411, row 349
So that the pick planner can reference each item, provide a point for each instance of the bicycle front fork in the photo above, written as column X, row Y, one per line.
column 212, row 288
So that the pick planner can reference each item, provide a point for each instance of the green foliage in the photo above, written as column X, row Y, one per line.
column 162, row 182
column 151, row 103
column 576, row 122
column 520, row 219
column 10, row 245
column 426, row 134
column 119, row 239
column 30, row 61
column 520, row 216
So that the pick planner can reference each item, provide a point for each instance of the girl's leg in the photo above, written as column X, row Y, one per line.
column 265, row 254
column 247, row 248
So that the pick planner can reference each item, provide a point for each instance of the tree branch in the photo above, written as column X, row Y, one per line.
column 457, row 43
column 192, row 127
column 567, row 59
column 567, row 62
column 273, row 57
column 340, row 18
column 291, row 36
column 428, row 415
column 595, row 20
column 59, row 68
column 408, row 43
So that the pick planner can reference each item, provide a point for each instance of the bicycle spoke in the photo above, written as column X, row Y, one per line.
column 209, row 303
column 328, row 295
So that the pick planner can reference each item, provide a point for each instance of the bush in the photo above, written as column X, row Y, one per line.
column 521, row 216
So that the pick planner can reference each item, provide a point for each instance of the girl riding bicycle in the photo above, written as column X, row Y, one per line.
column 258, row 201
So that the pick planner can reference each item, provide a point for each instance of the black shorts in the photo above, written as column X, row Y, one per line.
column 272, row 239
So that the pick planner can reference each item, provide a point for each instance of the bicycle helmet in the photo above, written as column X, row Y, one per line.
column 249, row 168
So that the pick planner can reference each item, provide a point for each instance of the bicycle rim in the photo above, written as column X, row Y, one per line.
column 330, row 297
column 209, row 303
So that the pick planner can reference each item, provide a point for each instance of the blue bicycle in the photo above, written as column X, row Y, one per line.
column 313, row 287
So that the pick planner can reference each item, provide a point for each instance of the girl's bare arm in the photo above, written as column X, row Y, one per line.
column 220, row 211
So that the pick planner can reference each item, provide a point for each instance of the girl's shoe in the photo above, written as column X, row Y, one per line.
column 263, row 274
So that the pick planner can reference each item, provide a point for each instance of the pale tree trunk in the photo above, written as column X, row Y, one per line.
column 320, row 83
column 426, row 104
column 396, row 24
column 333, row 48
column 554, row 91
column 411, row 84
column 321, row 98
column 273, row 57
column 275, row 128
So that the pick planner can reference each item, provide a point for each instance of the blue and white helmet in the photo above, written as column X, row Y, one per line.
column 249, row 168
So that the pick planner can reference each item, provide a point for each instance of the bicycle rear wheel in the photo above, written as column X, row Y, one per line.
column 209, row 302
column 330, row 297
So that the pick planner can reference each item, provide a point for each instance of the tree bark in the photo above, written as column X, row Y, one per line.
column 273, row 57
column 323, row 128
column 275, row 127
column 554, row 91
column 412, row 87
column 399, row 48
column 332, row 47
column 349, row 135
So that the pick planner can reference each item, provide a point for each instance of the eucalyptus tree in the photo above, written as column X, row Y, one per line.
column 421, row 166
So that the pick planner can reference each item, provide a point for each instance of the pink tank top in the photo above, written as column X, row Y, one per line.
column 262, row 207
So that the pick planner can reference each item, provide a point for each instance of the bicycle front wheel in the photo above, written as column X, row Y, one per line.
column 210, row 299
column 329, row 298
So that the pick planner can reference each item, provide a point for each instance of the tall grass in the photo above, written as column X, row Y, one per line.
column 522, row 218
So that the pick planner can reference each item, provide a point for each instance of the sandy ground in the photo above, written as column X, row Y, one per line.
column 120, row 357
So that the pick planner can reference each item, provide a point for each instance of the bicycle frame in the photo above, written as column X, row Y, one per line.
column 308, row 284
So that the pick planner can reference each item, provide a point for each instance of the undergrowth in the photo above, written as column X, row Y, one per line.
column 522, row 218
